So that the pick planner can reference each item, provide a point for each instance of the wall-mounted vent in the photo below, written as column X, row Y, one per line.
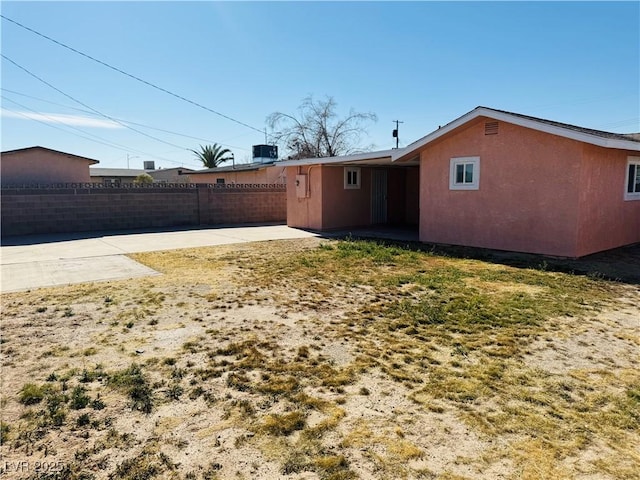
column 491, row 128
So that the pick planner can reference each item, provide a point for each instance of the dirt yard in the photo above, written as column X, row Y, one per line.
column 323, row 359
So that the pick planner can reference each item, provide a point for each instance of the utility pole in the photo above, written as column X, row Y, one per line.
column 129, row 157
column 395, row 131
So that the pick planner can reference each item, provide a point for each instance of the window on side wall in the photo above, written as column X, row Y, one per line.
column 632, row 190
column 220, row 181
column 351, row 177
column 464, row 173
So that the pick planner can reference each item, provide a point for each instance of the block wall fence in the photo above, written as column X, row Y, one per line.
column 94, row 207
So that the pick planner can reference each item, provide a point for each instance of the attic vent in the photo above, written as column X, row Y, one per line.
column 491, row 128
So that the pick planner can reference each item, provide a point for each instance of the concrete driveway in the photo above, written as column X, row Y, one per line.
column 36, row 261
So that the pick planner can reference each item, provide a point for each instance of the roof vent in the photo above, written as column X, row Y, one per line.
column 491, row 128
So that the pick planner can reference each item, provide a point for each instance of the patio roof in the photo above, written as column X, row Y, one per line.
column 378, row 158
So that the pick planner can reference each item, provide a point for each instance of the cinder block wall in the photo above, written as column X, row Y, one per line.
column 91, row 208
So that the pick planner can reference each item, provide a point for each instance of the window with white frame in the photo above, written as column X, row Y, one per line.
column 632, row 189
column 464, row 173
column 351, row 177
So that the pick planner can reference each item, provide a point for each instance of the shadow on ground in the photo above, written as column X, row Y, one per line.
column 36, row 239
column 620, row 264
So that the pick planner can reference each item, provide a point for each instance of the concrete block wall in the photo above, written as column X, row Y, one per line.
column 94, row 208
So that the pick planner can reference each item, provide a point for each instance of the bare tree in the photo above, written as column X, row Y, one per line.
column 317, row 132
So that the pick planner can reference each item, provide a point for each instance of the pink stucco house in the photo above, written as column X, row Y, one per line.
column 40, row 165
column 490, row 179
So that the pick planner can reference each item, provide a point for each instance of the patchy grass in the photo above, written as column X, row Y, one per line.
column 339, row 359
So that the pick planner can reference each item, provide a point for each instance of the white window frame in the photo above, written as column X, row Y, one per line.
column 475, row 175
column 348, row 184
column 631, row 195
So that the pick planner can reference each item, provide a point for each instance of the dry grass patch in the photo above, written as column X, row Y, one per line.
column 324, row 359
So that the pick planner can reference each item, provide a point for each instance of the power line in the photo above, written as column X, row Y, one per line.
column 132, row 76
column 123, row 120
column 100, row 140
column 89, row 107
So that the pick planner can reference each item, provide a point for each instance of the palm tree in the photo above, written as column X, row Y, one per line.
column 213, row 155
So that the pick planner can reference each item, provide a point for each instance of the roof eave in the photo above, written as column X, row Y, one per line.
column 411, row 150
column 342, row 159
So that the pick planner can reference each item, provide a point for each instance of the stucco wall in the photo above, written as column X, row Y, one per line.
column 30, row 211
column 41, row 166
column 330, row 206
column 606, row 220
column 304, row 212
column 528, row 195
column 345, row 207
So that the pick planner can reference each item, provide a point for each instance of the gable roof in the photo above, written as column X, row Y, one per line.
column 69, row 155
column 581, row 134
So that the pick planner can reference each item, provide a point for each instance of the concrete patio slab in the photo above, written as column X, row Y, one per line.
column 49, row 273
column 49, row 260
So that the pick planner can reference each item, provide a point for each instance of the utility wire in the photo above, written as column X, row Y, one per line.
column 120, row 119
column 90, row 108
column 132, row 76
column 100, row 140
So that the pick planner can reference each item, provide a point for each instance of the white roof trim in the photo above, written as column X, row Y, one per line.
column 523, row 122
column 357, row 157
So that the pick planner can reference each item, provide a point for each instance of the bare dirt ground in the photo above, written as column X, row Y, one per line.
column 317, row 359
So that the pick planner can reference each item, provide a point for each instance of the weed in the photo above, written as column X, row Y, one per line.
column 83, row 420
column 175, row 391
column 4, row 432
column 142, row 467
column 32, row 394
column 135, row 384
column 97, row 403
column 284, row 424
column 79, row 398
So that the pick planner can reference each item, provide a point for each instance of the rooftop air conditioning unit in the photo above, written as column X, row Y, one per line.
column 149, row 165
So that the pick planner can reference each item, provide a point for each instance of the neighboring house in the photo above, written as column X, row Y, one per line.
column 115, row 176
column 170, row 175
column 490, row 179
column 40, row 165
column 255, row 173
column 118, row 176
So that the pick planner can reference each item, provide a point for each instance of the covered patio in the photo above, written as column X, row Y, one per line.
column 353, row 191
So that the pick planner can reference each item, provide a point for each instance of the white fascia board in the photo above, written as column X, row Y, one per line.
column 560, row 131
column 358, row 157
column 523, row 122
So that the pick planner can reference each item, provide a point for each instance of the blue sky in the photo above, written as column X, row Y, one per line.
column 425, row 63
